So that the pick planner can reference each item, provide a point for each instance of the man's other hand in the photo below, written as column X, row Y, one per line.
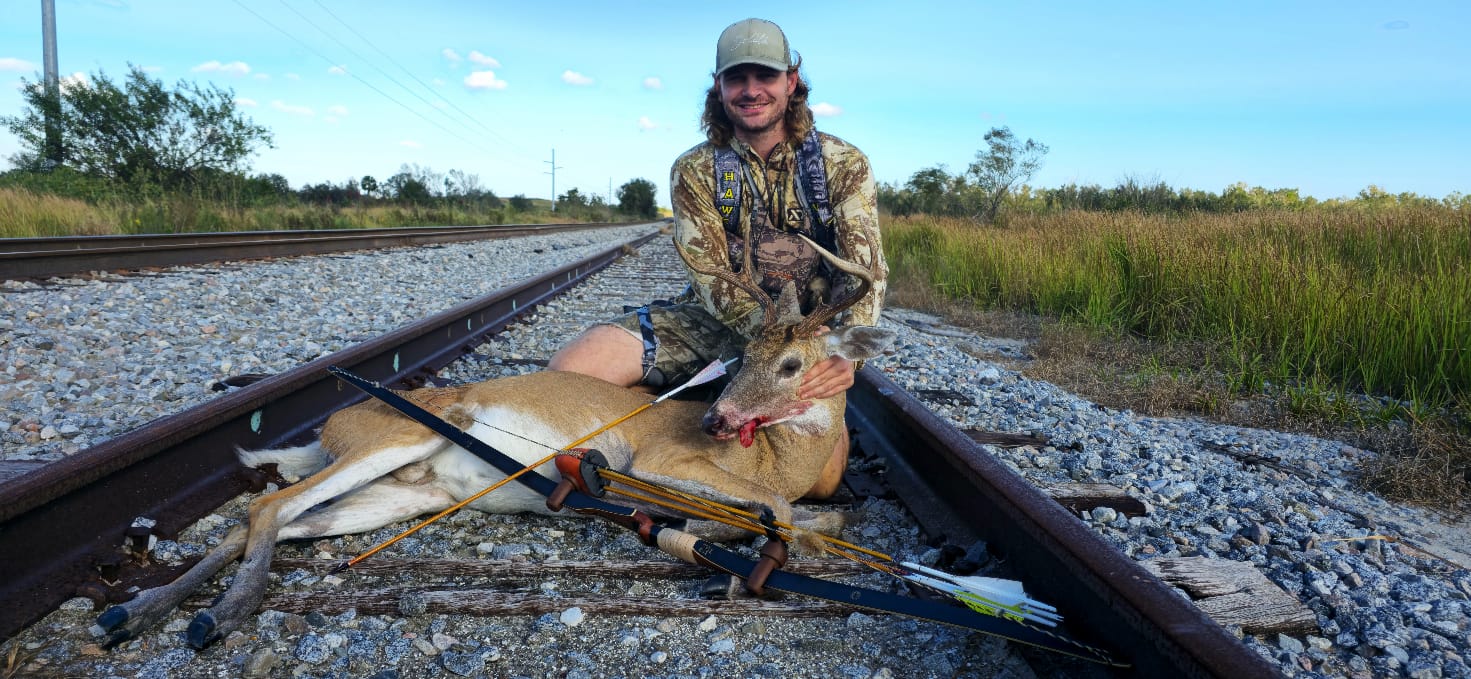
column 828, row 378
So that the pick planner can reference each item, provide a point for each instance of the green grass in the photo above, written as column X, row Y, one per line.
column 28, row 214
column 1324, row 301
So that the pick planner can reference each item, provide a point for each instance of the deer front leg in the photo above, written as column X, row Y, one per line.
column 701, row 477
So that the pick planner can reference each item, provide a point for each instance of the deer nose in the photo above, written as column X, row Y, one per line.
column 713, row 423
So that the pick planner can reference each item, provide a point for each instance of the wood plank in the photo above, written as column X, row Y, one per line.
column 513, row 570
column 1007, row 440
column 485, row 602
column 1084, row 497
column 1236, row 593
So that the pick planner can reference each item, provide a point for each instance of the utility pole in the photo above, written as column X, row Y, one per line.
column 52, row 84
column 553, row 173
column 610, row 199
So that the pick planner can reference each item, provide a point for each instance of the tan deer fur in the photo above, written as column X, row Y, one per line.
column 377, row 467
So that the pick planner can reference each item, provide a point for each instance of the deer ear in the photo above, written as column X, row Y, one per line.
column 861, row 342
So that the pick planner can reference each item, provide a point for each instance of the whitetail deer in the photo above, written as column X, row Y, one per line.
column 760, row 447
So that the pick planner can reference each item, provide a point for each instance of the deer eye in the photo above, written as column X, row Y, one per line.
column 791, row 366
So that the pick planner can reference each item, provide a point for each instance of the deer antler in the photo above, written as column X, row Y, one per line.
column 821, row 315
column 746, row 282
column 826, row 312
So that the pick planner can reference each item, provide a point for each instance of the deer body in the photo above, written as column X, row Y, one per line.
column 758, row 446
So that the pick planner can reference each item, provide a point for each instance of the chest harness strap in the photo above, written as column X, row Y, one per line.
column 811, row 175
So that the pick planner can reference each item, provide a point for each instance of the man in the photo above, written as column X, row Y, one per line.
column 756, row 117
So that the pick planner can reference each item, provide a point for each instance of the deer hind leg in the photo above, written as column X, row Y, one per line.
column 271, row 513
column 126, row 620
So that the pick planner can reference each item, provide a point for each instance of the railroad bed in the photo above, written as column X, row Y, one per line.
column 1379, row 607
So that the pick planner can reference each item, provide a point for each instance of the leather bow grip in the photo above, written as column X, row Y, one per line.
column 679, row 544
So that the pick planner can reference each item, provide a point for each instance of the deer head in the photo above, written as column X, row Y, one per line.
column 764, row 391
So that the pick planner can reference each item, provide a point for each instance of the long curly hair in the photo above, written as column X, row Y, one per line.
column 719, row 130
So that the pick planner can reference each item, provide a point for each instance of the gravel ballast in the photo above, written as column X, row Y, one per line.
column 84, row 359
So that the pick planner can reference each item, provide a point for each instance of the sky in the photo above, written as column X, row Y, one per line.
column 1325, row 97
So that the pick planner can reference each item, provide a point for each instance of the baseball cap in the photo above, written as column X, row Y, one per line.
column 752, row 41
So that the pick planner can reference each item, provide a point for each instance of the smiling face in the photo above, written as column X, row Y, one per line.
column 755, row 98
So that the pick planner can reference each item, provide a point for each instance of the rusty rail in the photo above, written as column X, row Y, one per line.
column 63, row 526
column 39, row 257
column 958, row 491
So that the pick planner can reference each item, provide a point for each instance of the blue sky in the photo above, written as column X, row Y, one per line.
column 1326, row 97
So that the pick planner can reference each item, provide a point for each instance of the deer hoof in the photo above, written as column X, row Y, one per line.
column 113, row 618
column 202, row 630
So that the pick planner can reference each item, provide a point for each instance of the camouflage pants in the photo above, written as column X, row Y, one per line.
column 679, row 339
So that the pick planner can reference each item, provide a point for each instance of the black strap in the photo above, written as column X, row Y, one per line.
column 812, row 175
column 652, row 376
column 728, row 187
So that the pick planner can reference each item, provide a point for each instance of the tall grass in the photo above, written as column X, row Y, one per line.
column 1370, row 299
column 26, row 214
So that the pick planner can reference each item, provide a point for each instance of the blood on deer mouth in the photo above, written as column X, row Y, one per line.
column 748, row 431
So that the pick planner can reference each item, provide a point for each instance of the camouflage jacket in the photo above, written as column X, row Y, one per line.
column 770, row 207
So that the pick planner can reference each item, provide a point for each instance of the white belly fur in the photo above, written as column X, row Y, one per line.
column 463, row 474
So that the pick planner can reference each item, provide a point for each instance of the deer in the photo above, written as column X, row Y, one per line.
column 757, row 446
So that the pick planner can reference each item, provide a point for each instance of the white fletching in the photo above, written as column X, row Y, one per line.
column 710, row 372
column 995, row 596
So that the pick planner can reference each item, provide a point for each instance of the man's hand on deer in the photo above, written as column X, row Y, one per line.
column 827, row 378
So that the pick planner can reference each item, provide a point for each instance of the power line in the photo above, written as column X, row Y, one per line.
column 385, row 74
column 365, row 83
column 409, row 73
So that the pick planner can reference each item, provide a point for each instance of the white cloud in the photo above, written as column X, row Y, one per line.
column 411, row 144
column 337, row 70
column 330, row 120
column 246, row 102
column 645, row 124
column 16, row 65
column 292, row 76
column 153, row 69
column 826, row 110
column 484, row 80
column 337, row 110
column 74, row 81
column 234, row 68
column 293, row 109
column 262, row 76
column 450, row 55
column 575, row 78
column 653, row 83
column 479, row 59
column 437, row 82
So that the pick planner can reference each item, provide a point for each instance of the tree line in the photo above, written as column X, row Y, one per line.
column 137, row 139
column 996, row 181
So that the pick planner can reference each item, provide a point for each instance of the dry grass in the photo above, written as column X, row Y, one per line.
column 1423, row 462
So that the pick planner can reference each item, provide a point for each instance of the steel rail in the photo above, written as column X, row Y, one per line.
column 63, row 525
column 958, row 491
column 39, row 257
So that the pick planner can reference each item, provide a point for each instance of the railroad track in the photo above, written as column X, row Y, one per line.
column 38, row 257
column 64, row 523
